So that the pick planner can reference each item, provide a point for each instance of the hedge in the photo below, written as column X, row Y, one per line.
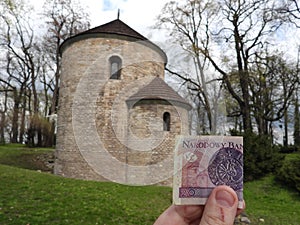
column 289, row 173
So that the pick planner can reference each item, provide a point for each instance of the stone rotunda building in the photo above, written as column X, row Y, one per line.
column 117, row 117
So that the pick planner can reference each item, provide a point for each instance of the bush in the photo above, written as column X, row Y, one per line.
column 289, row 173
column 261, row 157
column 40, row 132
column 288, row 149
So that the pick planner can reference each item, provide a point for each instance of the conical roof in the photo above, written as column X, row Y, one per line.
column 158, row 89
column 115, row 27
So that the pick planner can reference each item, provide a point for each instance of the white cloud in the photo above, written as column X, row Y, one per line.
column 140, row 15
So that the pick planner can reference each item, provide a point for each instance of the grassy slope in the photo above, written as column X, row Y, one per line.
column 18, row 155
column 30, row 197
column 266, row 199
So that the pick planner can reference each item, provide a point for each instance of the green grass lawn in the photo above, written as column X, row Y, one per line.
column 29, row 197
column 275, row 204
column 36, row 198
column 18, row 155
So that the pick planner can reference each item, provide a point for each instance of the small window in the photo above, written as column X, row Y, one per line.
column 115, row 67
column 167, row 121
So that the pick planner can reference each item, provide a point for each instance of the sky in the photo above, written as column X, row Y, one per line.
column 138, row 14
column 141, row 16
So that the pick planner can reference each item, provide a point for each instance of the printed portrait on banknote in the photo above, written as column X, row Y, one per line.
column 204, row 162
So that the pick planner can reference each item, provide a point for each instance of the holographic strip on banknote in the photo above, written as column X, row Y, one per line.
column 204, row 162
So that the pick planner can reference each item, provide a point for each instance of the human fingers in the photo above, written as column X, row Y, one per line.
column 221, row 207
column 180, row 215
column 239, row 211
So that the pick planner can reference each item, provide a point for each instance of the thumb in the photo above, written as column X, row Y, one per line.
column 221, row 207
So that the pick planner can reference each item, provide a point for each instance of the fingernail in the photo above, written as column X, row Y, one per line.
column 225, row 198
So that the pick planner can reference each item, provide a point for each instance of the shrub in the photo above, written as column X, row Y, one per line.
column 261, row 157
column 289, row 173
column 39, row 133
column 288, row 149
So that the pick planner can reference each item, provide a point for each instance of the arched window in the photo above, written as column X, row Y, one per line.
column 167, row 121
column 115, row 67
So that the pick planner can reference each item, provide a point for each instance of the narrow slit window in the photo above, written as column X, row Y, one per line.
column 115, row 67
column 167, row 121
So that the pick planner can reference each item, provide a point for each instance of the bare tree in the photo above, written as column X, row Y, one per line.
column 233, row 33
column 5, row 89
column 65, row 18
column 17, row 40
column 273, row 85
column 30, row 67
column 292, row 9
column 189, row 22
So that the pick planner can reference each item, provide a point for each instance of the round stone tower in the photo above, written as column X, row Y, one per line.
column 117, row 118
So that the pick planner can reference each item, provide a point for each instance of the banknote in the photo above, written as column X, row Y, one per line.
column 203, row 162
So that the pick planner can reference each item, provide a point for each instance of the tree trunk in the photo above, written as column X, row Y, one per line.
column 3, row 120
column 285, row 136
column 15, row 119
column 243, row 77
column 23, row 119
column 2, row 127
column 297, row 124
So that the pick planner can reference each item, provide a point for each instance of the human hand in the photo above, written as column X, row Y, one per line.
column 220, row 209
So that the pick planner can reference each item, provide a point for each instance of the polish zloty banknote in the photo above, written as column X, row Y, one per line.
column 204, row 162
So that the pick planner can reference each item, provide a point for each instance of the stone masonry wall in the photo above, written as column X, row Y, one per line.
column 94, row 119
